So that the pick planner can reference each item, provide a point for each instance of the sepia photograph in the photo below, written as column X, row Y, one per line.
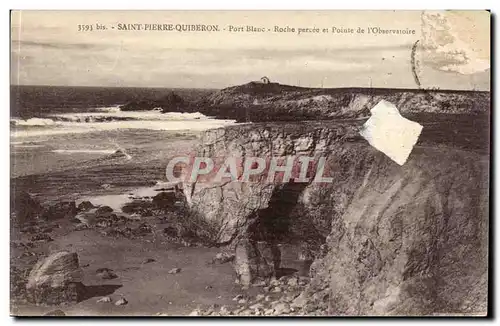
column 250, row 163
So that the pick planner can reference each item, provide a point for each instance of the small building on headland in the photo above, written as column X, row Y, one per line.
column 265, row 80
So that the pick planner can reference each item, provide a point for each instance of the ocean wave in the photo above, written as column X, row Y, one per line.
column 17, row 143
column 75, row 128
column 73, row 123
column 107, row 115
column 35, row 122
column 60, row 120
column 92, row 118
column 27, row 146
column 108, row 109
column 110, row 114
column 87, row 151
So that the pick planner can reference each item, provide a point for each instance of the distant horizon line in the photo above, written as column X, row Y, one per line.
column 304, row 87
column 100, row 86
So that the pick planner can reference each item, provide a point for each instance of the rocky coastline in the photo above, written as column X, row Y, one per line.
column 262, row 102
column 381, row 239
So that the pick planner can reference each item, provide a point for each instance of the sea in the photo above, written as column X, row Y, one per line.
column 75, row 142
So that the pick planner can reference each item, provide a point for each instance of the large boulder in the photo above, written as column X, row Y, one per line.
column 85, row 206
column 55, row 280
column 103, row 210
column 92, row 215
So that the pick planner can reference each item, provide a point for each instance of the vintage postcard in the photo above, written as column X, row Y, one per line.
column 249, row 163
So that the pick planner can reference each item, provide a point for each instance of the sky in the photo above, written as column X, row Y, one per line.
column 453, row 50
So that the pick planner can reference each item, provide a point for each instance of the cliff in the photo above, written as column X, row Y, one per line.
column 395, row 240
column 257, row 102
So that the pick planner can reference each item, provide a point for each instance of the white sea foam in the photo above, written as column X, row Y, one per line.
column 109, row 109
column 33, row 122
column 72, row 123
column 25, row 144
column 110, row 114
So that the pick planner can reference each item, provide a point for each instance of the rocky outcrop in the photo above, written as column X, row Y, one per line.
column 233, row 206
column 93, row 215
column 24, row 208
column 168, row 103
column 85, row 206
column 256, row 261
column 397, row 240
column 400, row 244
column 259, row 102
column 56, row 280
column 60, row 210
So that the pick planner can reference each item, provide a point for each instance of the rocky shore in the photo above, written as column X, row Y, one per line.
column 262, row 102
column 379, row 240
column 42, row 276
column 257, row 102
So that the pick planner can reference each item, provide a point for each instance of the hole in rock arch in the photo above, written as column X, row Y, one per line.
column 286, row 222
